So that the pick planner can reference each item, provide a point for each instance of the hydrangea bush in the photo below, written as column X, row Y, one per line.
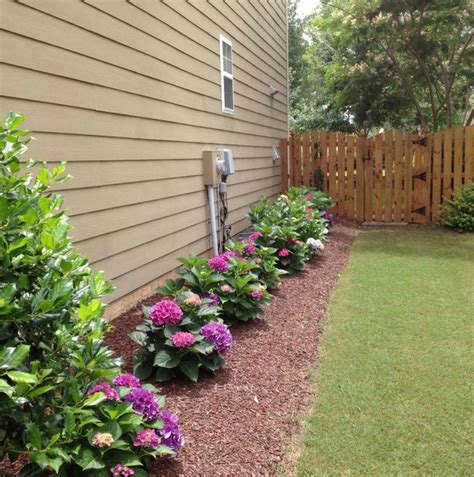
column 181, row 336
column 295, row 225
column 51, row 335
column 230, row 280
column 264, row 258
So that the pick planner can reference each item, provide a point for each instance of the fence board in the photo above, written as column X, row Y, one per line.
column 350, row 211
column 368, row 159
column 284, row 165
column 341, row 174
column 469, row 155
column 408, row 177
column 447, row 164
column 332, row 168
column 398, row 177
column 436, row 178
column 378, row 178
column 323, row 146
column 388, row 186
column 427, row 163
column 297, row 149
column 360, row 177
column 458, row 153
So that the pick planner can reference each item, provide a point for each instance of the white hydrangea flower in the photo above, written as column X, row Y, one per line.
column 315, row 244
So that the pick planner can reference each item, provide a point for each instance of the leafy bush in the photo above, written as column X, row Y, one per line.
column 317, row 200
column 458, row 212
column 292, row 226
column 181, row 336
column 51, row 329
column 228, row 280
column 264, row 258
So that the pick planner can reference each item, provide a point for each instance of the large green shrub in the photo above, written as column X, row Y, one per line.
column 51, row 334
column 458, row 212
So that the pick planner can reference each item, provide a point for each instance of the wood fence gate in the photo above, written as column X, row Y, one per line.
column 393, row 177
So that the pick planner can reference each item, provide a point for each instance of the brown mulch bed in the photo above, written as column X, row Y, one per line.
column 238, row 422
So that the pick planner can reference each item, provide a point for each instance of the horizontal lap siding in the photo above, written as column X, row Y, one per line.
column 129, row 94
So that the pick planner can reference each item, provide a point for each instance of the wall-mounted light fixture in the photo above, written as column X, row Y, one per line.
column 273, row 91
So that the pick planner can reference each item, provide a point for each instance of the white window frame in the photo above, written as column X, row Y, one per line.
column 225, row 74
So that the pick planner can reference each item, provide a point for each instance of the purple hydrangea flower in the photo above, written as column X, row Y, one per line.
column 144, row 402
column 216, row 301
column 104, row 387
column 183, row 339
column 218, row 335
column 127, row 380
column 121, row 470
column 328, row 218
column 147, row 438
column 230, row 254
column 219, row 263
column 166, row 312
column 249, row 249
column 170, row 433
column 257, row 294
column 283, row 252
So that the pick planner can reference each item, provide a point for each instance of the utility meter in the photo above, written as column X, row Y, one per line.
column 225, row 163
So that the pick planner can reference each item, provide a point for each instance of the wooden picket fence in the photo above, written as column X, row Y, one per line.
column 393, row 177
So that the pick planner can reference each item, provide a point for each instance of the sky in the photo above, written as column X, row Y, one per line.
column 306, row 6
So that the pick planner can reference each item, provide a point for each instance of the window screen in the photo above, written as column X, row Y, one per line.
column 227, row 77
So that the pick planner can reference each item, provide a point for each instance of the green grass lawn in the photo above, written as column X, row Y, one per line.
column 394, row 387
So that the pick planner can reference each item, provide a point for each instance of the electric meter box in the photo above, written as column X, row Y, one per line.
column 226, row 162
column 209, row 159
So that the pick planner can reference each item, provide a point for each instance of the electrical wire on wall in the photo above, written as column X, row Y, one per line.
column 224, row 229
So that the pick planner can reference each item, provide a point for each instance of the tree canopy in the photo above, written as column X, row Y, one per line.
column 367, row 64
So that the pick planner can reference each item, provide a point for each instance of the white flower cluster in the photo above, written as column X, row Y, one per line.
column 315, row 244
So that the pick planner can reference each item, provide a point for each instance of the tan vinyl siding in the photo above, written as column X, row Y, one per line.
column 129, row 94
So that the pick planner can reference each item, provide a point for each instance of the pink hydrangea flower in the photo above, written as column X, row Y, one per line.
column 226, row 289
column 102, row 439
column 183, row 339
column 121, row 470
column 166, row 312
column 254, row 236
column 193, row 300
column 104, row 387
column 283, row 252
column 126, row 380
column 219, row 263
column 249, row 249
column 310, row 196
column 258, row 260
column 147, row 438
column 257, row 295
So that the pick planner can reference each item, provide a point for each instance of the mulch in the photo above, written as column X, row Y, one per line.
column 238, row 421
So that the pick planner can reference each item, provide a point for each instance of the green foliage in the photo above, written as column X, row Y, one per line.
column 232, row 288
column 373, row 64
column 51, row 325
column 289, row 223
column 458, row 213
column 160, row 355
column 264, row 259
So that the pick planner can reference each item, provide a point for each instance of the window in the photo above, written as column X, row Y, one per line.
column 227, row 77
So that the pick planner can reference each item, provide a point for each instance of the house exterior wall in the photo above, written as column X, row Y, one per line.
column 128, row 92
